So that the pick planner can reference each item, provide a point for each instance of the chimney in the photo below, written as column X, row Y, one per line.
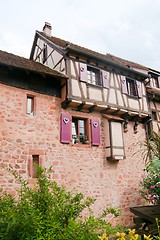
column 47, row 29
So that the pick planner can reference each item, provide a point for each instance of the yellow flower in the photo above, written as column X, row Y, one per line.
column 103, row 237
column 121, row 236
column 136, row 236
column 148, row 237
column 132, row 232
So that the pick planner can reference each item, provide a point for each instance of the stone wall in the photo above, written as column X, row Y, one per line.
column 80, row 167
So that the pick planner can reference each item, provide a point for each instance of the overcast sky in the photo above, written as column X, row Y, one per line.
column 129, row 29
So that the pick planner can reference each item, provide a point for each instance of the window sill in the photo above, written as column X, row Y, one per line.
column 95, row 86
column 133, row 97
column 81, row 144
column 115, row 158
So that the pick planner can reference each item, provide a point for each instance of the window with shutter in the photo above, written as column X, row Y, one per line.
column 114, row 138
column 77, row 130
column 132, row 87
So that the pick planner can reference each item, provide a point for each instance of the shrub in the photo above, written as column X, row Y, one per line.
column 150, row 183
column 48, row 211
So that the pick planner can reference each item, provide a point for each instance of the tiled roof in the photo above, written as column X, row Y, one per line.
column 108, row 57
column 18, row 62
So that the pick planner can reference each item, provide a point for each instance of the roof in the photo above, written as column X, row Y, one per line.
column 66, row 45
column 8, row 59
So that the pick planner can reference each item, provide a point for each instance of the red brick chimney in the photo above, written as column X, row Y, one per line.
column 47, row 29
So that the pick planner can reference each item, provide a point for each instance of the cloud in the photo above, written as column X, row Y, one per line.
column 126, row 28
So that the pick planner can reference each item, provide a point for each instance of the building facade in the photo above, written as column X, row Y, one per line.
column 83, row 113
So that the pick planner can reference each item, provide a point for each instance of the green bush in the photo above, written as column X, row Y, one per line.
column 150, row 183
column 48, row 212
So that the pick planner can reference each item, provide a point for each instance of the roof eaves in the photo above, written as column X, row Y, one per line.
column 72, row 48
column 51, row 43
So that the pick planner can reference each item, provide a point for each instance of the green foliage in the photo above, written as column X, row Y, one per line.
column 152, row 144
column 48, row 212
column 150, row 183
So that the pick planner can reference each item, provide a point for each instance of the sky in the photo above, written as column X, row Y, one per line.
column 129, row 29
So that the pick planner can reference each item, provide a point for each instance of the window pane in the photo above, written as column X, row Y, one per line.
column 35, row 162
column 74, row 132
column 30, row 105
column 88, row 76
column 81, row 127
column 131, row 87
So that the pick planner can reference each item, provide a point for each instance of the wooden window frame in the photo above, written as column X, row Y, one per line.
column 32, row 107
column 84, row 139
column 131, row 87
column 154, row 115
column 154, row 82
column 90, row 76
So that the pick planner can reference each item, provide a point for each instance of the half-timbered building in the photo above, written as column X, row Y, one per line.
column 83, row 113
column 105, row 114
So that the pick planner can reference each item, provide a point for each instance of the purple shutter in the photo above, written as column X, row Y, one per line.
column 95, row 131
column 123, row 84
column 83, row 72
column 65, row 128
column 105, row 79
column 139, row 89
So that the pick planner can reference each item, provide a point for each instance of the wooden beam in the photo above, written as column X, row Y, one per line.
column 65, row 103
column 79, row 108
column 91, row 109
column 105, row 110
column 115, row 112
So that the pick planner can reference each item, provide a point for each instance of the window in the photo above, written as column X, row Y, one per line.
column 30, row 105
column 131, row 87
column 113, row 138
column 45, row 53
column 154, row 82
column 79, row 130
column 93, row 76
column 154, row 116
column 35, row 163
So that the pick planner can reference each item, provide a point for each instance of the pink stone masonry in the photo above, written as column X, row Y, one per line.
column 80, row 167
